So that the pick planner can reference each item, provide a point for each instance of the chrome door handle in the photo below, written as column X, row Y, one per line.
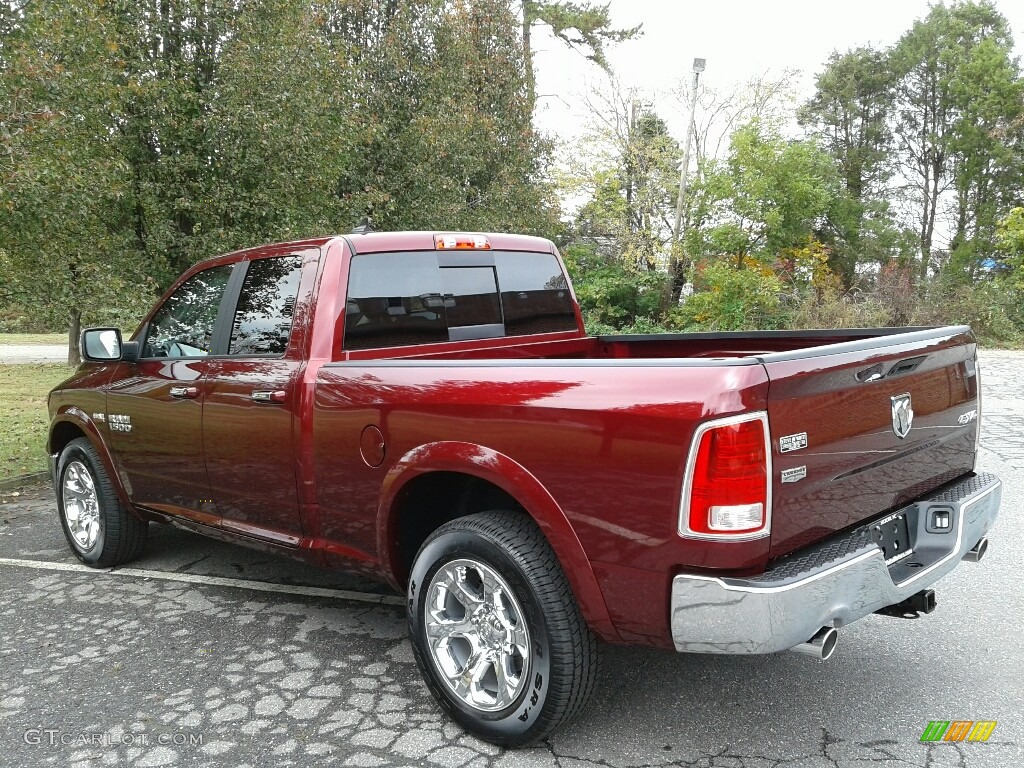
column 277, row 396
column 189, row 392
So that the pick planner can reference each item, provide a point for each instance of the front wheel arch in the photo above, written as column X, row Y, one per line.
column 73, row 424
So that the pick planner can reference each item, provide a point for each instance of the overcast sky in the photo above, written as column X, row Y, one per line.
column 741, row 39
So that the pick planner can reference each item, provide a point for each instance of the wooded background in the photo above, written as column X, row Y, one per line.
column 139, row 137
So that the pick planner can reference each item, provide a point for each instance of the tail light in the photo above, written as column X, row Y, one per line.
column 727, row 491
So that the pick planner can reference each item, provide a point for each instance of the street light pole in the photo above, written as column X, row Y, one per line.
column 698, row 67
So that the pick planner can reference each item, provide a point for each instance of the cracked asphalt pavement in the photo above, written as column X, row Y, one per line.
column 167, row 663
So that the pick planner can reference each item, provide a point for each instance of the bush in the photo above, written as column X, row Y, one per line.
column 993, row 308
column 832, row 309
column 615, row 298
column 728, row 298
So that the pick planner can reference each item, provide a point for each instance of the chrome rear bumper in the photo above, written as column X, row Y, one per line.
column 832, row 583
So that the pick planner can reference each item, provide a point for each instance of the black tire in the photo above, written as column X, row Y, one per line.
column 563, row 662
column 120, row 536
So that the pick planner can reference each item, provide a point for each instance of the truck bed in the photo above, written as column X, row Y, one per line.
column 604, row 426
column 725, row 344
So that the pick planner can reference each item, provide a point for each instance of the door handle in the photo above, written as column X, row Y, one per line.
column 277, row 396
column 182, row 392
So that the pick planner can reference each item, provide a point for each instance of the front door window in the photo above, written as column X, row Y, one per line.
column 183, row 326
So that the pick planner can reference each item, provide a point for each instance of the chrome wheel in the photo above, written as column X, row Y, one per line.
column 81, row 505
column 477, row 636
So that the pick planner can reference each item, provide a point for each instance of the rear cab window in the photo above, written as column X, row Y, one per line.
column 420, row 297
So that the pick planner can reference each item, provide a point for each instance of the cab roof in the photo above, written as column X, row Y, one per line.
column 381, row 242
column 377, row 242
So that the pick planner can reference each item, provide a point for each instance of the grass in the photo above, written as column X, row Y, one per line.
column 23, row 390
column 33, row 338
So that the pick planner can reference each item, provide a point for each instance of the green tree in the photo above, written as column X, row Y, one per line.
column 849, row 115
column 584, row 27
column 1010, row 245
column 234, row 126
column 442, row 136
column 627, row 167
column 63, row 182
column 769, row 195
column 987, row 158
column 136, row 139
column 956, row 85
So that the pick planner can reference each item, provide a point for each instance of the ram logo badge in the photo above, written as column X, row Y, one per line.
column 902, row 415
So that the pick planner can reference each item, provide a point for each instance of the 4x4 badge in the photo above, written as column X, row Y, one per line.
column 902, row 415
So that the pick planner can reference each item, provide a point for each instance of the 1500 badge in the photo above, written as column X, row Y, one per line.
column 967, row 418
column 120, row 423
column 792, row 442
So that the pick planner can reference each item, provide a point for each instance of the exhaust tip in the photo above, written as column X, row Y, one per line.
column 821, row 646
column 979, row 551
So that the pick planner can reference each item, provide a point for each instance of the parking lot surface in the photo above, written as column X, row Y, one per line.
column 33, row 353
column 202, row 653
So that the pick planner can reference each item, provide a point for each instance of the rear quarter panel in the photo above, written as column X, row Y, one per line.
column 606, row 439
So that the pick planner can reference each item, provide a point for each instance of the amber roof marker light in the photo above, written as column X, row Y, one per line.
column 446, row 242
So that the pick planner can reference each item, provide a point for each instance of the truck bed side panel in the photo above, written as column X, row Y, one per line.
column 607, row 440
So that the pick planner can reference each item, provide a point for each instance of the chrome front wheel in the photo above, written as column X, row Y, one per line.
column 100, row 529
column 477, row 635
column 81, row 505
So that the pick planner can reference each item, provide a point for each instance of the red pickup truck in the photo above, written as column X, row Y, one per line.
column 427, row 408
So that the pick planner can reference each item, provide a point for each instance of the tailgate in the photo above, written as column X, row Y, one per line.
column 863, row 427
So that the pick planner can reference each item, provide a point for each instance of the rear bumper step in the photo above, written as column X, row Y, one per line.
column 834, row 582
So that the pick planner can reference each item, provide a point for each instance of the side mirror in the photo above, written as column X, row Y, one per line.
column 104, row 345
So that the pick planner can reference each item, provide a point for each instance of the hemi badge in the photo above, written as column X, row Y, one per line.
column 792, row 442
column 794, row 475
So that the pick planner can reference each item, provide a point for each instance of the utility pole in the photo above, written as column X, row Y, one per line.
column 698, row 67
column 629, row 164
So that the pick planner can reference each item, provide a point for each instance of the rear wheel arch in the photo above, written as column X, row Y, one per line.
column 440, row 482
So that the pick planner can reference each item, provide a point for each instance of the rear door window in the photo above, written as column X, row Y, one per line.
column 263, row 320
